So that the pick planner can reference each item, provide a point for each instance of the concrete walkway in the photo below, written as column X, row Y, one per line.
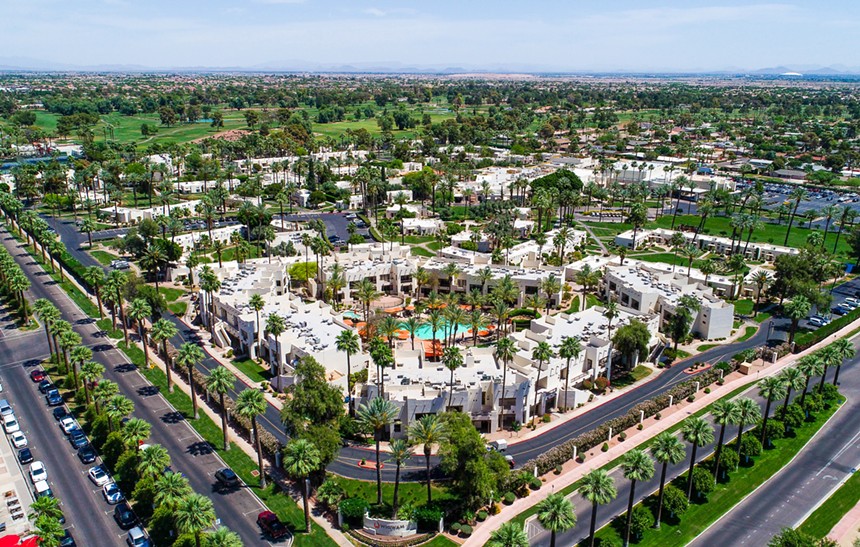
column 572, row 472
column 847, row 530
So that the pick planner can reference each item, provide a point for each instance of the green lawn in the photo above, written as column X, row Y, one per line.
column 769, row 233
column 178, row 308
column 170, row 294
column 440, row 541
column 823, row 519
column 421, row 251
column 103, row 257
column 749, row 332
column 251, row 369
column 634, row 376
column 230, row 254
column 744, row 307
column 726, row 495
column 410, row 492
column 706, row 347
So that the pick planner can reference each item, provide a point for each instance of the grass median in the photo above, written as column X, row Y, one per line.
column 823, row 519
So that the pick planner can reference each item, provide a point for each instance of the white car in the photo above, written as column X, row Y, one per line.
column 68, row 424
column 19, row 440
column 851, row 300
column 112, row 493
column 99, row 476
column 10, row 424
column 38, row 472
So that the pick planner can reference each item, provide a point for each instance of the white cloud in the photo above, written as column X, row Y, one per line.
column 375, row 12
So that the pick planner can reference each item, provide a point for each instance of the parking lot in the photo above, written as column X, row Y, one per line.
column 336, row 224
column 849, row 290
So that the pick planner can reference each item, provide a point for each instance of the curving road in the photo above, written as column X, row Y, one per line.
column 347, row 462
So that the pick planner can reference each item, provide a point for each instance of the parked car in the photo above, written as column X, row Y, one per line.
column 849, row 305
column 38, row 472
column 840, row 310
column 25, row 456
column 67, row 424
column 60, row 412
column 511, row 462
column 67, row 540
column 5, row 408
column 136, row 538
column 817, row 321
column 99, row 476
column 38, row 375
column 112, row 493
column 10, row 424
column 18, row 439
column 77, row 438
column 45, row 385
column 271, row 525
column 42, row 489
column 853, row 301
column 227, row 478
column 87, row 454
column 124, row 516
column 53, row 398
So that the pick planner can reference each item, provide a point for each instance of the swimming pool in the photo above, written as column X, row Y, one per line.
column 425, row 331
column 349, row 314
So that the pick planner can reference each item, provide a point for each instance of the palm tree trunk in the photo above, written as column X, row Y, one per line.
column 566, row 383
column 259, row 451
column 193, row 390
column 719, row 453
column 660, row 495
column 690, row 472
column 764, row 422
column 349, row 386
column 740, row 436
column 427, row 462
column 836, row 376
column 305, row 495
column 377, row 434
column 629, row 513
column 396, row 491
column 451, row 390
column 224, row 420
column 167, row 367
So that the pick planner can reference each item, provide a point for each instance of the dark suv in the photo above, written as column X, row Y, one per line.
column 227, row 478
column 124, row 516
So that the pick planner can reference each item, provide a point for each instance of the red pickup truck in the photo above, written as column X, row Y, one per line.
column 271, row 525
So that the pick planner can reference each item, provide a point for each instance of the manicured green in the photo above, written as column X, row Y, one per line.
column 414, row 493
column 103, row 257
column 823, row 519
column 744, row 306
column 421, row 251
column 634, row 376
column 749, row 332
column 171, row 294
column 178, row 308
column 251, row 369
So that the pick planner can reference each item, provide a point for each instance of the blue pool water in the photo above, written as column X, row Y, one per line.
column 349, row 314
column 425, row 332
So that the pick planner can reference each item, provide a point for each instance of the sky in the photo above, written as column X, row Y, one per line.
column 510, row 35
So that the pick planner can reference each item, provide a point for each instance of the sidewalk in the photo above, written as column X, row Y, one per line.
column 572, row 472
column 847, row 530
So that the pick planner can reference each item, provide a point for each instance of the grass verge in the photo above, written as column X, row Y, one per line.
column 823, row 519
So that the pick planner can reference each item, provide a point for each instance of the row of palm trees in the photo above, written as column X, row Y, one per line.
column 14, row 282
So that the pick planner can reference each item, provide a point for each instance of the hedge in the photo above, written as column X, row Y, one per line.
column 562, row 453
column 805, row 340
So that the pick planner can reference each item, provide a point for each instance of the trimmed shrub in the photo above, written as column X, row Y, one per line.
column 455, row 528
column 557, row 470
column 509, row 498
column 535, row 484
column 465, row 530
column 482, row 516
column 605, row 447
column 353, row 510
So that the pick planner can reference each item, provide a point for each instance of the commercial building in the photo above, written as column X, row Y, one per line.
column 765, row 252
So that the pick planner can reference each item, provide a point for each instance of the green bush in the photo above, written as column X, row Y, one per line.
column 455, row 527
column 675, row 501
column 605, row 447
column 428, row 517
column 509, row 498
column 750, row 446
column 465, row 530
column 703, row 481
column 558, row 470
column 353, row 510
column 482, row 516
column 535, row 484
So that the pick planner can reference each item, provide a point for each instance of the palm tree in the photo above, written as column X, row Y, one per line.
column 798, row 195
column 427, row 430
column 153, row 460
column 189, row 356
column 793, row 379
column 770, row 388
column 796, row 310
column 249, row 404
column 638, row 466
column 46, row 506
column 222, row 537
column 257, row 304
column 542, row 353
column 349, row 343
column 162, row 331
column 388, row 328
column 134, row 432
column 412, row 325
column 78, row 356
column 570, row 349
column 400, row 451
column 221, row 381
column 509, row 534
column 697, row 432
column 116, row 408
column 505, row 351
column 452, row 359
column 725, row 412
column 193, row 515
column 843, row 349
column 301, row 458
column 812, row 365
column 91, row 373
column 477, row 320
column 435, row 320
column 139, row 310
column 103, row 392
column 95, row 278
column 377, row 415
column 598, row 488
column 760, row 279
column 749, row 413
column 610, row 312
column 49, row 530
column 276, row 325
column 170, row 488
column 667, row 449
column 555, row 513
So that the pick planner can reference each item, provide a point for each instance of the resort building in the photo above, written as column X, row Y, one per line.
column 765, row 252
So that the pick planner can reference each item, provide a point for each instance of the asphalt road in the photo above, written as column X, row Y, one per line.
column 765, row 505
column 336, row 224
column 88, row 517
column 788, row 498
column 191, row 455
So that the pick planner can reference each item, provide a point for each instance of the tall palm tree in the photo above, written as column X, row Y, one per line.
column 400, row 451
column 570, row 349
column 542, row 353
column 91, row 373
column 638, row 466
column 221, row 381
column 153, row 460
column 698, row 432
column 452, row 359
column 427, row 430
column 102, row 393
column 505, row 351
column 555, row 513
column 301, row 458
column 349, row 343
column 797, row 195
column 509, row 534
column 610, row 312
column 94, row 276
column 724, row 413
column 170, row 489
column 257, row 304
column 435, row 320
column 193, row 514
column 223, row 537
column 116, row 408
column 413, row 325
column 275, row 325
column 377, row 415
column 388, row 328
column 598, row 488
column 793, row 379
column 667, row 449
column 844, row 349
column 49, row 530
column 477, row 320
column 134, row 432
column 749, row 413
column 78, row 356
column 770, row 388
column 796, row 310
column 162, row 331
column 249, row 404
column 139, row 310
column 46, row 506
column 190, row 355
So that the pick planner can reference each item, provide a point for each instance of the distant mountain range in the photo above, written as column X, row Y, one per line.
column 26, row 64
